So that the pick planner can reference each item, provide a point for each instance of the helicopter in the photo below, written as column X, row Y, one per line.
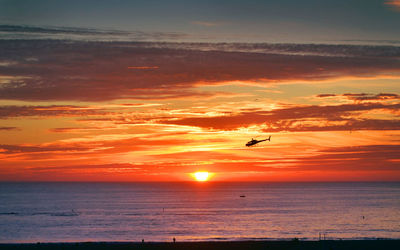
column 254, row 142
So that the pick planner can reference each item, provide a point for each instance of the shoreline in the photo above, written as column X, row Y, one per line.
column 209, row 245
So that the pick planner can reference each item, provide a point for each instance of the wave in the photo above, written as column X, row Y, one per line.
column 9, row 213
column 65, row 214
column 72, row 213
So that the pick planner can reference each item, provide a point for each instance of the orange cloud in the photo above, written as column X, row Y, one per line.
column 301, row 118
column 52, row 110
column 365, row 97
column 8, row 128
column 369, row 162
column 393, row 3
column 190, row 127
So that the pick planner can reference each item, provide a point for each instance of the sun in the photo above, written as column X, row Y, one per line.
column 201, row 176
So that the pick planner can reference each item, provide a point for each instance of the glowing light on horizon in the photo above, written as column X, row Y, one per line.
column 201, row 176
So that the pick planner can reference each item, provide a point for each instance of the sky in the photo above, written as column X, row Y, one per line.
column 157, row 90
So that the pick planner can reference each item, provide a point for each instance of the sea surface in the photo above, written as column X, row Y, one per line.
column 66, row 212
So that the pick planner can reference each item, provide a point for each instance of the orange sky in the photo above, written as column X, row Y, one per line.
column 87, row 111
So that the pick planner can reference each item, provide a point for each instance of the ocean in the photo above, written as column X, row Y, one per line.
column 72, row 212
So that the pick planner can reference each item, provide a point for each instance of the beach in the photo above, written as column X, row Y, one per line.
column 272, row 245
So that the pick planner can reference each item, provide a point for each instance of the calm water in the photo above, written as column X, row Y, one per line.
column 61, row 212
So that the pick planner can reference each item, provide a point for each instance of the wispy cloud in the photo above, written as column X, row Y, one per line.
column 302, row 118
column 9, row 128
column 364, row 158
column 395, row 4
column 98, row 71
column 91, row 148
column 48, row 111
column 13, row 149
column 364, row 96
column 192, row 124
column 207, row 23
column 56, row 30
column 368, row 162
column 87, row 34
column 371, row 41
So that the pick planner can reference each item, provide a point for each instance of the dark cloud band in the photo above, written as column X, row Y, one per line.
column 302, row 118
column 100, row 71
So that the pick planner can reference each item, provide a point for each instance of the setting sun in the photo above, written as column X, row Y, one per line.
column 201, row 176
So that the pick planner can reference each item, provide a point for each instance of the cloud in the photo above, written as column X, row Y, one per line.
column 16, row 149
column 207, row 24
column 360, row 97
column 90, row 148
column 96, row 172
column 81, row 129
column 353, row 158
column 395, row 4
column 348, row 158
column 371, row 97
column 141, row 157
column 13, row 111
column 326, row 95
column 8, row 128
column 301, row 118
column 87, row 34
column 99, row 71
column 7, row 63
column 371, row 41
column 55, row 30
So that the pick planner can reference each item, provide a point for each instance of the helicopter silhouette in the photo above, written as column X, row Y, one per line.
column 254, row 141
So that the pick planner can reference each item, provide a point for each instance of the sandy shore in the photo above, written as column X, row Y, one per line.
column 271, row 245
